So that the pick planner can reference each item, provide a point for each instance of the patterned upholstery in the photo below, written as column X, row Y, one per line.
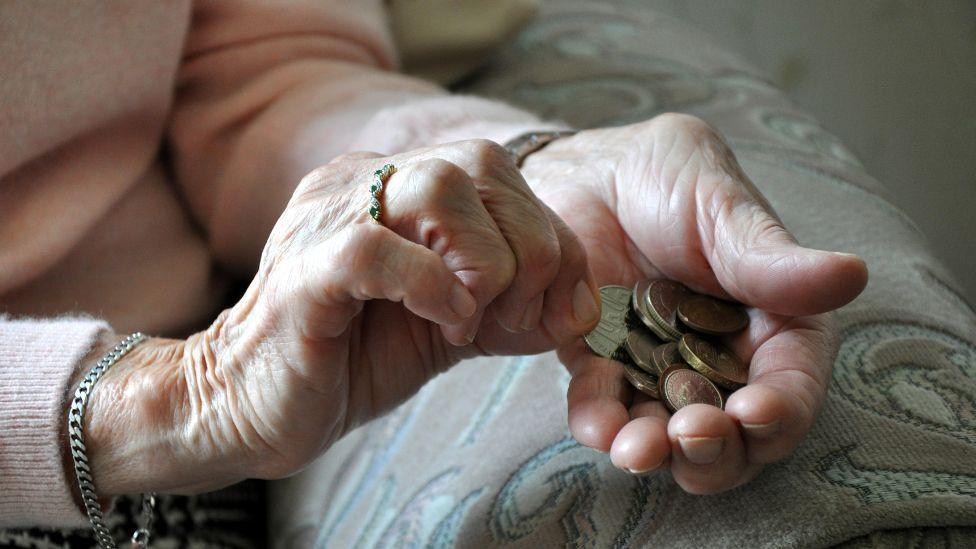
column 482, row 456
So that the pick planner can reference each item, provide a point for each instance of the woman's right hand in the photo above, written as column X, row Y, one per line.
column 345, row 319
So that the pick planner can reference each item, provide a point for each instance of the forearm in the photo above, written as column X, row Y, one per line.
column 258, row 108
column 311, row 125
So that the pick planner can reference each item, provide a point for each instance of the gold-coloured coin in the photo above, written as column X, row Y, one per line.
column 680, row 365
column 642, row 381
column 714, row 361
column 713, row 316
column 664, row 356
column 663, row 298
column 682, row 387
column 642, row 308
column 611, row 332
column 639, row 346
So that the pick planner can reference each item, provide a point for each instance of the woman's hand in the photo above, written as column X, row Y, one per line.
column 345, row 319
column 667, row 198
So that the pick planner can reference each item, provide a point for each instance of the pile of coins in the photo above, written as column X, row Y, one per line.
column 662, row 333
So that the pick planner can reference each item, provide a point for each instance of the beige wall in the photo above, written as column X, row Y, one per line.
column 895, row 79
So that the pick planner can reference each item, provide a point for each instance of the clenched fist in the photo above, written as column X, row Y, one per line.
column 345, row 319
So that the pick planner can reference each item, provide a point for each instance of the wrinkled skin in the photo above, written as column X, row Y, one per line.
column 667, row 198
column 345, row 318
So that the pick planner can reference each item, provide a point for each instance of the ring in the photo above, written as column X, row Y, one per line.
column 380, row 177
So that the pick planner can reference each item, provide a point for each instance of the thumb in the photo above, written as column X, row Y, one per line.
column 759, row 262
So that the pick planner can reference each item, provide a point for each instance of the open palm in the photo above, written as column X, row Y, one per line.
column 666, row 198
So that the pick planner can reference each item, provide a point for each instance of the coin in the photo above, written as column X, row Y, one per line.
column 642, row 309
column 662, row 299
column 606, row 339
column 679, row 365
column 714, row 361
column 665, row 355
column 642, row 381
column 682, row 387
column 711, row 316
column 639, row 346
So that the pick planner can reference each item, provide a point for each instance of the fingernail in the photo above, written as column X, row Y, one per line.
column 533, row 313
column 462, row 302
column 639, row 473
column 472, row 332
column 701, row 450
column 584, row 304
column 761, row 430
column 851, row 256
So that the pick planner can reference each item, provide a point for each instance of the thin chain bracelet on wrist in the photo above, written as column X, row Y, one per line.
column 76, row 439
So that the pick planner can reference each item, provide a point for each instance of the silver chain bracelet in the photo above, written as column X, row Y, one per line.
column 76, row 438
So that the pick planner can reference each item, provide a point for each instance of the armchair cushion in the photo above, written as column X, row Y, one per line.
column 482, row 456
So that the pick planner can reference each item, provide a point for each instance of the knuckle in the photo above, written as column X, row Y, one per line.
column 486, row 151
column 326, row 180
column 545, row 259
column 345, row 157
column 431, row 181
column 436, row 179
column 314, row 178
column 342, row 159
column 673, row 121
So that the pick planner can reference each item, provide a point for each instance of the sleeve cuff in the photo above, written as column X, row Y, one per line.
column 37, row 360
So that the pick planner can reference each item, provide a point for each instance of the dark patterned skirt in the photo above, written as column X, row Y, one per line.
column 232, row 517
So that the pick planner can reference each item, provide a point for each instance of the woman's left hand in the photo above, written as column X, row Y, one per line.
column 666, row 198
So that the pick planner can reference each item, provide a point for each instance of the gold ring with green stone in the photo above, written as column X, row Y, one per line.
column 380, row 177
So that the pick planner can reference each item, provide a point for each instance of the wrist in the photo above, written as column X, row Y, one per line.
column 547, row 169
column 521, row 146
column 104, row 343
column 135, row 419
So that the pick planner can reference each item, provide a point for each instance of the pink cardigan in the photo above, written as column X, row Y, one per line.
column 246, row 96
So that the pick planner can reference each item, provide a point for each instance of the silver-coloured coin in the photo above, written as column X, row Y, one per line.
column 608, row 336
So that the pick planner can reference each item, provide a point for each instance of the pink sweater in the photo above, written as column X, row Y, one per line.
column 242, row 97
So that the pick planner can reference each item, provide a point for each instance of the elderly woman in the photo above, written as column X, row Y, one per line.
column 152, row 157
